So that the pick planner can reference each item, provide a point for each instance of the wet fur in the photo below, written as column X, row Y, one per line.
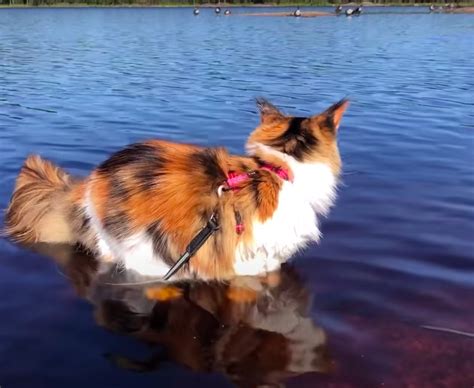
column 143, row 205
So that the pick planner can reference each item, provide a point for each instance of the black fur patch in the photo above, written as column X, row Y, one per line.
column 117, row 224
column 147, row 164
column 79, row 214
column 159, row 240
column 147, row 176
column 329, row 122
column 255, row 189
column 297, row 141
column 207, row 160
column 118, row 189
column 85, row 224
column 142, row 154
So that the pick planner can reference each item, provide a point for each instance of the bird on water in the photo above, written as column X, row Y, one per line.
column 357, row 11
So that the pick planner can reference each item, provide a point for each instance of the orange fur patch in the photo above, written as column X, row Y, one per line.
column 163, row 293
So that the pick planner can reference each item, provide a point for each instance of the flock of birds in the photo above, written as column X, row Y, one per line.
column 446, row 8
column 217, row 11
column 358, row 10
column 348, row 12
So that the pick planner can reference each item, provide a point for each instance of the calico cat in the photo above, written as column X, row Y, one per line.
column 142, row 206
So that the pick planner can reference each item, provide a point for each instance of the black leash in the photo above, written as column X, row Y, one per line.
column 197, row 242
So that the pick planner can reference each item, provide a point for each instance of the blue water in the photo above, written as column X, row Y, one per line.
column 397, row 252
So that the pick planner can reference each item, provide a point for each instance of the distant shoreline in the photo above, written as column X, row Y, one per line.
column 462, row 9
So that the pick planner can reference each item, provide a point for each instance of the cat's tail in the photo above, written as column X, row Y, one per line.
column 40, row 207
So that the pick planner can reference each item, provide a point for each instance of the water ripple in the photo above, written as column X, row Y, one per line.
column 398, row 250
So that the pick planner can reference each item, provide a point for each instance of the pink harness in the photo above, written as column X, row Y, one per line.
column 234, row 180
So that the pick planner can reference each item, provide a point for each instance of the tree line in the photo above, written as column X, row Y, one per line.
column 35, row 3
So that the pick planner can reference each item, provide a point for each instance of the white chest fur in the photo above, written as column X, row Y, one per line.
column 294, row 223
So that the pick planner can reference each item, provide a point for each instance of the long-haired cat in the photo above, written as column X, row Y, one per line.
column 142, row 206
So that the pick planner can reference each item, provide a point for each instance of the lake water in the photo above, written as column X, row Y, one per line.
column 397, row 253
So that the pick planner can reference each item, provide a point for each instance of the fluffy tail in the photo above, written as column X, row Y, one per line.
column 40, row 208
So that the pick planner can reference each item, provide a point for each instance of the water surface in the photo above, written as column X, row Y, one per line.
column 397, row 253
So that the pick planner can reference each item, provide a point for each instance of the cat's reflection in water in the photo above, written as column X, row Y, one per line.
column 256, row 331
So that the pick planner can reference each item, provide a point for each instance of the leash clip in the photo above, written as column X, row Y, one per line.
column 196, row 243
column 213, row 222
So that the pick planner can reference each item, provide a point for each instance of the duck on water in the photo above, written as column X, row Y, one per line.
column 354, row 12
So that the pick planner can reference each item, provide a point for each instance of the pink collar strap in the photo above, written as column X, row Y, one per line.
column 234, row 179
column 281, row 172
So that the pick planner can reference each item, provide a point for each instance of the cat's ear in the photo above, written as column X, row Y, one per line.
column 332, row 116
column 268, row 111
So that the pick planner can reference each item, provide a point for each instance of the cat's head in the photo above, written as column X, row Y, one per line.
column 303, row 140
